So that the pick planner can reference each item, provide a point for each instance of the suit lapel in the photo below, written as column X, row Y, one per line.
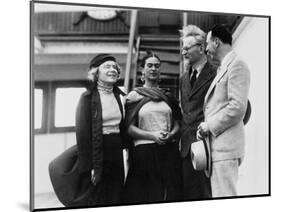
column 185, row 90
column 204, row 76
column 220, row 74
column 185, row 83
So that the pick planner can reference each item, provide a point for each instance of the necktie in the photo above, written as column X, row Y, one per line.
column 193, row 78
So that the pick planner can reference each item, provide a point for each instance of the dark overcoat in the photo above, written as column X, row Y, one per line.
column 70, row 171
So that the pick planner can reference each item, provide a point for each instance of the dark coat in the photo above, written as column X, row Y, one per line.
column 70, row 171
column 89, row 129
column 192, row 101
column 195, row 184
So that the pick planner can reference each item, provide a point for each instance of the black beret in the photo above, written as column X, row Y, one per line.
column 100, row 59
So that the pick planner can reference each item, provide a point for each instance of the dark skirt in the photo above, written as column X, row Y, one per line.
column 154, row 174
column 108, row 191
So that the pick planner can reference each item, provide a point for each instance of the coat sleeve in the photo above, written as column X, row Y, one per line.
column 83, row 133
column 237, row 96
column 176, row 110
column 174, row 104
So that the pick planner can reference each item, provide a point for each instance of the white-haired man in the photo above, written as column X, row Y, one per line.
column 194, row 85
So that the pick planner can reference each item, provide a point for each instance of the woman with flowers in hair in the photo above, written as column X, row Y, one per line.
column 152, row 121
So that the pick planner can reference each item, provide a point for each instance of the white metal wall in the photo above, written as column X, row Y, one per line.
column 251, row 42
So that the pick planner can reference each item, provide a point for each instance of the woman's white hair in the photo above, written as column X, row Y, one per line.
column 93, row 73
column 193, row 31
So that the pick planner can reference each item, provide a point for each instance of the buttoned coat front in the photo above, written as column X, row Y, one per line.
column 192, row 100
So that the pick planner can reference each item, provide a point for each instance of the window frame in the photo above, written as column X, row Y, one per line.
column 55, row 86
column 49, row 103
column 43, row 86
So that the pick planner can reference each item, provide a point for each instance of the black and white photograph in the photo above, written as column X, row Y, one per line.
column 137, row 105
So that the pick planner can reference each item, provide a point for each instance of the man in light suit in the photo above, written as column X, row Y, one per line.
column 194, row 85
column 224, row 108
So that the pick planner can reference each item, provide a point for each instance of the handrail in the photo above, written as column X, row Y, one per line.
column 134, row 14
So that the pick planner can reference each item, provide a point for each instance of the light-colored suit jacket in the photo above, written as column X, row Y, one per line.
column 224, row 108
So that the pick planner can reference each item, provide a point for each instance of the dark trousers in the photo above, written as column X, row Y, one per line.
column 195, row 183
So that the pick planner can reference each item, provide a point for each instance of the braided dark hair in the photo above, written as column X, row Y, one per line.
column 148, row 54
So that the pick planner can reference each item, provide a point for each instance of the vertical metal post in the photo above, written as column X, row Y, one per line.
column 135, row 70
column 133, row 23
column 184, row 23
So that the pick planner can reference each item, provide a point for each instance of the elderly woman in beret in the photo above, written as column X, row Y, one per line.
column 99, row 121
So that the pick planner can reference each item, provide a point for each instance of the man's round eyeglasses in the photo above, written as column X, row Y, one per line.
column 188, row 48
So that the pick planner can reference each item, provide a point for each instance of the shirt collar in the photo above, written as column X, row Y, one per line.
column 226, row 58
column 199, row 66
